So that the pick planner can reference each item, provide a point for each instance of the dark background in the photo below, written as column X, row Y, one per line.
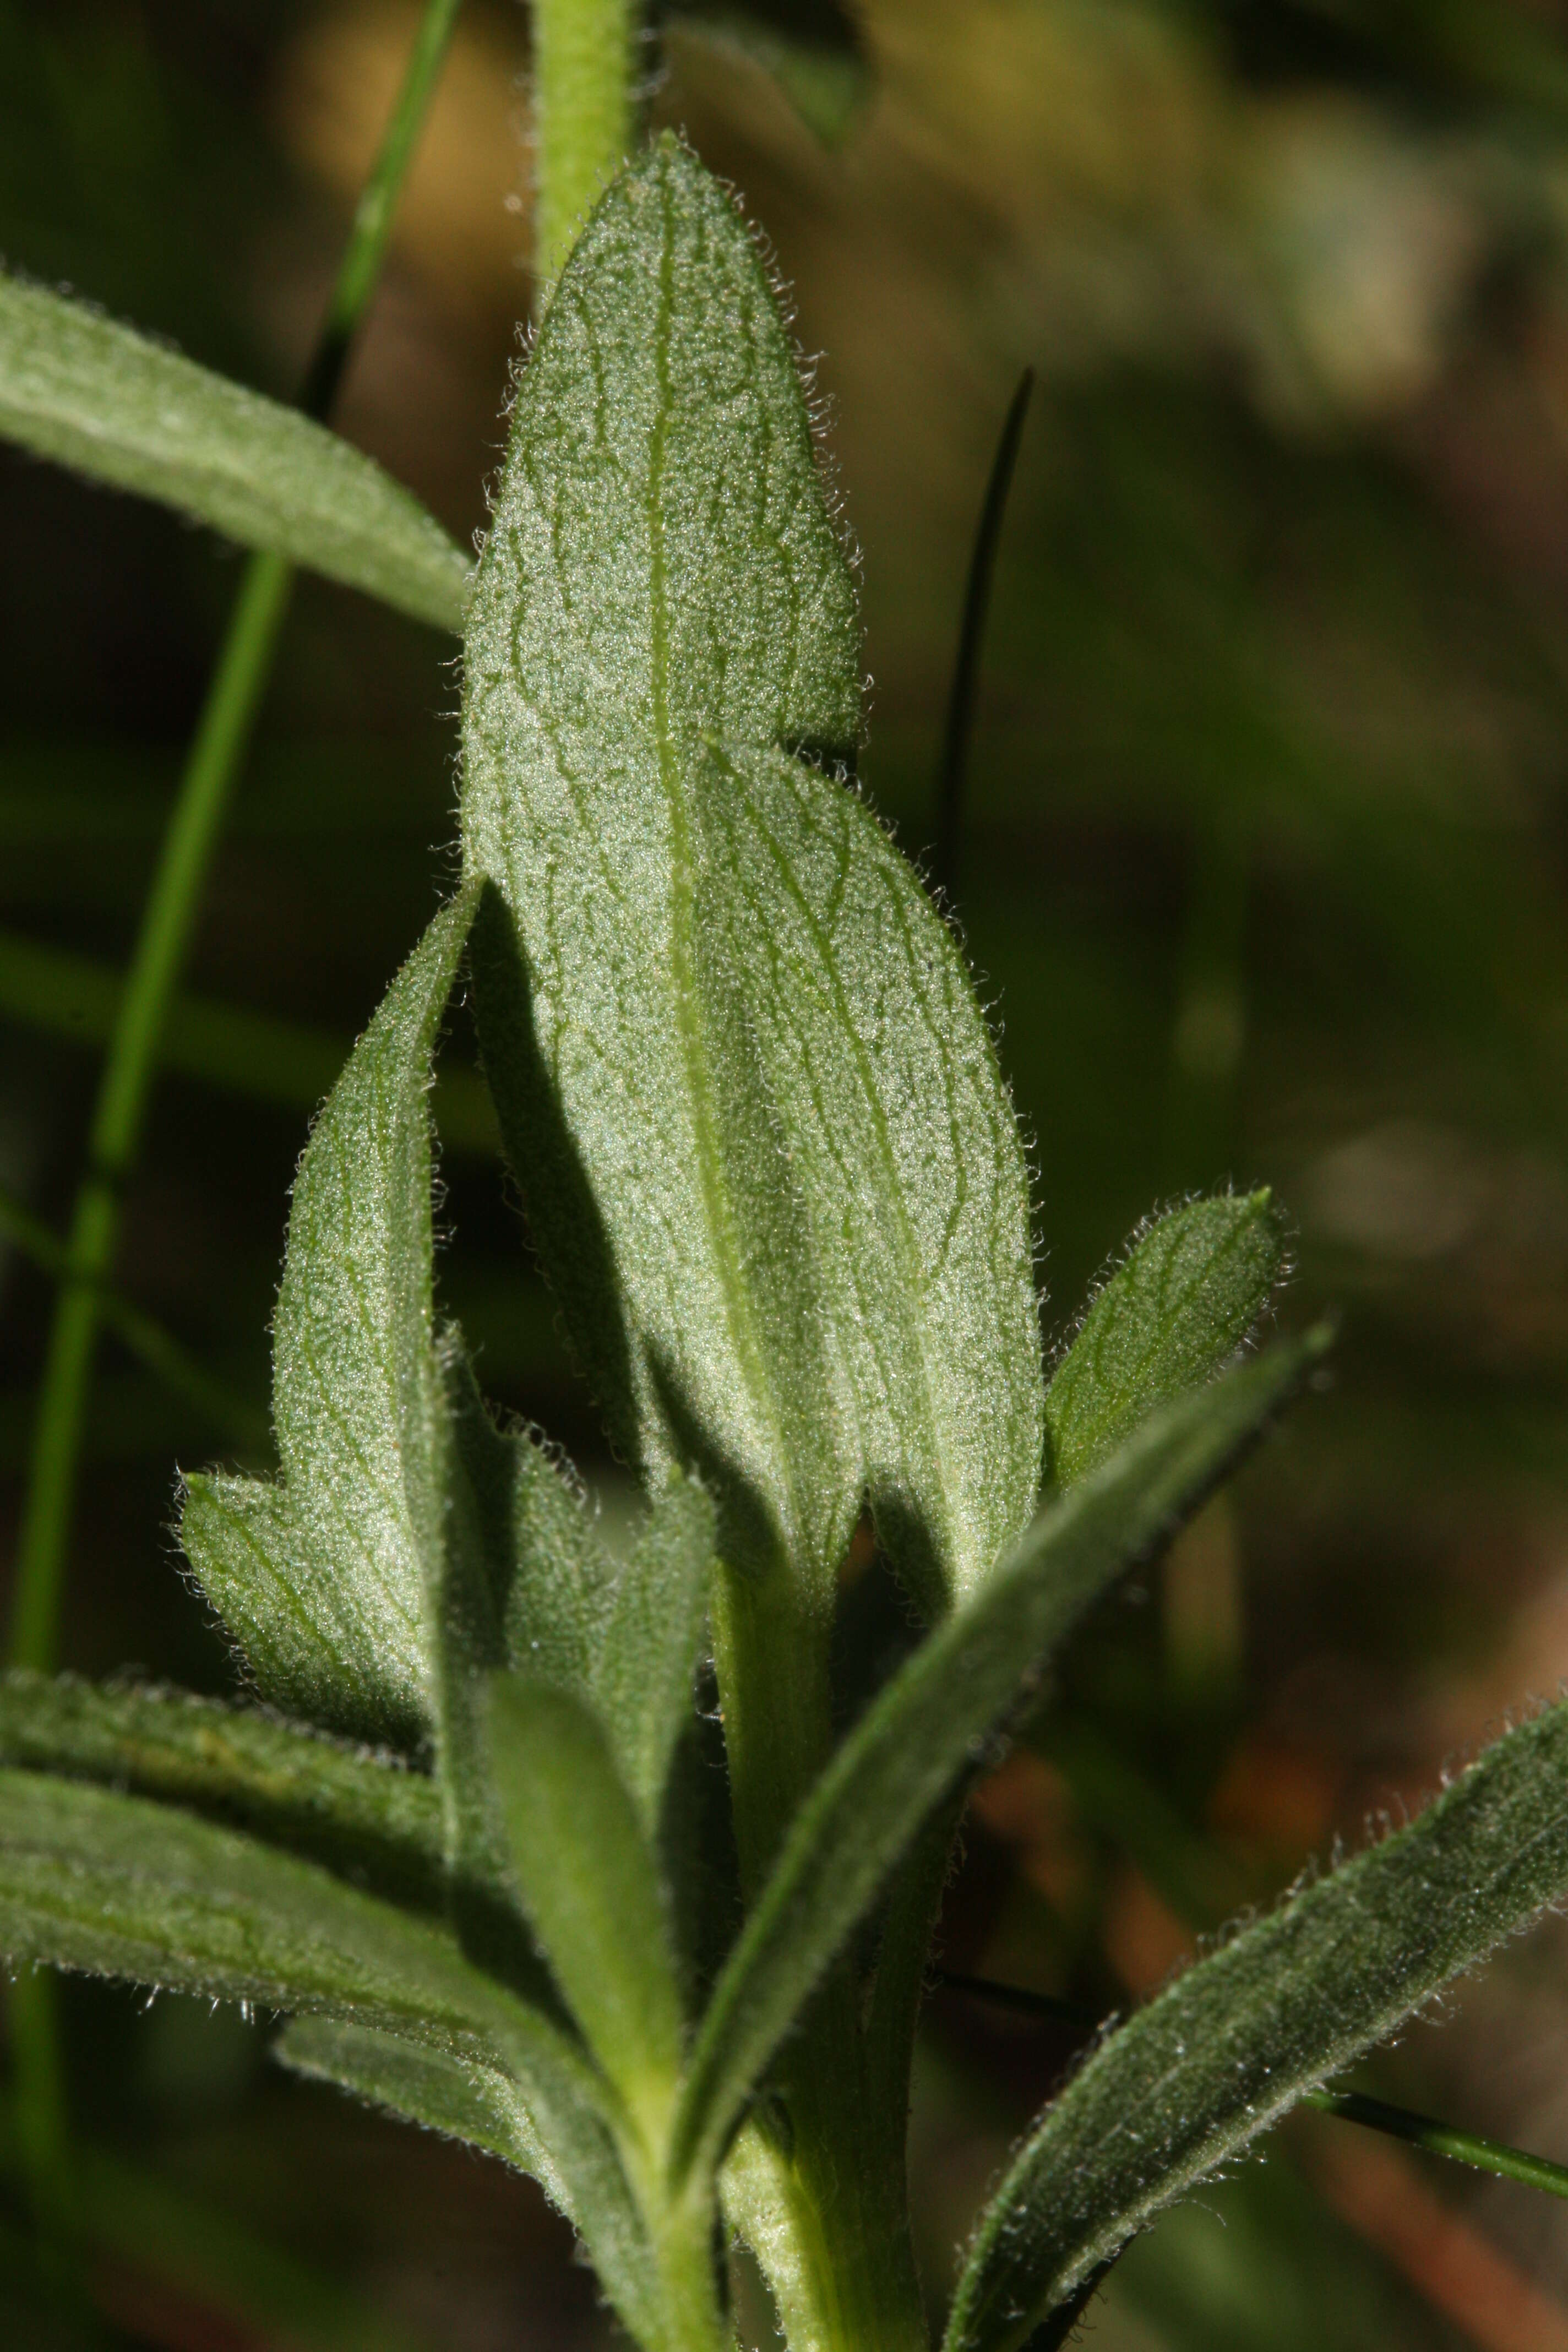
column 1264, row 878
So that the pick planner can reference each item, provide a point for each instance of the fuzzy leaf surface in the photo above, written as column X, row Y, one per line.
column 590, row 1885
column 1178, row 1307
column 663, row 619
column 291, row 1786
column 460, row 2097
column 1228, row 2048
column 931, row 1722
column 116, row 1887
column 116, row 405
column 322, row 1576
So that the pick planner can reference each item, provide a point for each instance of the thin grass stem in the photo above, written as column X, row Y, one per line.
column 959, row 727
column 223, row 733
column 183, row 1372
column 1481, row 2154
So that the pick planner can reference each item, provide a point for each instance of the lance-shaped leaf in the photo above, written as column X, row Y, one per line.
column 119, row 1887
column 780, row 1194
column 128, row 411
column 321, row 1578
column 291, row 1786
column 460, row 2097
column 590, row 1883
column 1228, row 2048
column 1189, row 1291
column 930, row 1724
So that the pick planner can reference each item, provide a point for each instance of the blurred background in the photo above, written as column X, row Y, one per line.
column 1264, row 871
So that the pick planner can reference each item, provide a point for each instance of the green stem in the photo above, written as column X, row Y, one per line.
column 119, row 1115
column 1441, row 2139
column 583, row 55
column 222, row 735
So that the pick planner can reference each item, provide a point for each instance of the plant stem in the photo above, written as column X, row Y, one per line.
column 1441, row 2139
column 223, row 732
column 582, row 119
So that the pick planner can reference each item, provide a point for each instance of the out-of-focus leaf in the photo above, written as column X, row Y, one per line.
column 252, row 1053
column 590, row 1883
column 112, row 404
column 1233, row 2043
column 1190, row 1290
column 753, row 1103
column 821, row 68
column 931, row 1721
column 321, row 1577
column 291, row 1786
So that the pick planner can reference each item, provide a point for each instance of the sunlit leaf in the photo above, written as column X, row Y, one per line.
column 1190, row 1290
column 128, row 411
column 751, row 1103
column 1233, row 2043
column 321, row 1577
column 931, row 1722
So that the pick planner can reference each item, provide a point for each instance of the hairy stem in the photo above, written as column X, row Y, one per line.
column 223, row 732
column 582, row 52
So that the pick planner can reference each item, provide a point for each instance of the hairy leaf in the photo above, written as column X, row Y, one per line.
column 296, row 1788
column 1228, row 2048
column 460, row 2097
column 931, row 1722
column 591, row 1886
column 1191, row 1289
column 128, row 411
column 321, row 1577
column 780, row 1192
column 112, row 1884
column 647, row 1641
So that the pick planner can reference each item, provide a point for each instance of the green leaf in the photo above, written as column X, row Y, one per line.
column 458, row 2098
column 930, row 1724
column 112, row 1884
column 827, row 82
column 1191, row 1288
column 1227, row 2048
column 591, row 1886
column 321, row 1578
column 291, row 1786
column 753, row 1107
column 126, row 410
column 647, row 1641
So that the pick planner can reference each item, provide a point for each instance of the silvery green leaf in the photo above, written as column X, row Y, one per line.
column 779, row 1189
column 1228, row 2048
column 321, row 1577
column 931, row 1722
column 291, row 1786
column 116, row 405
column 590, row 1883
column 1189, row 1290
column 116, row 1887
